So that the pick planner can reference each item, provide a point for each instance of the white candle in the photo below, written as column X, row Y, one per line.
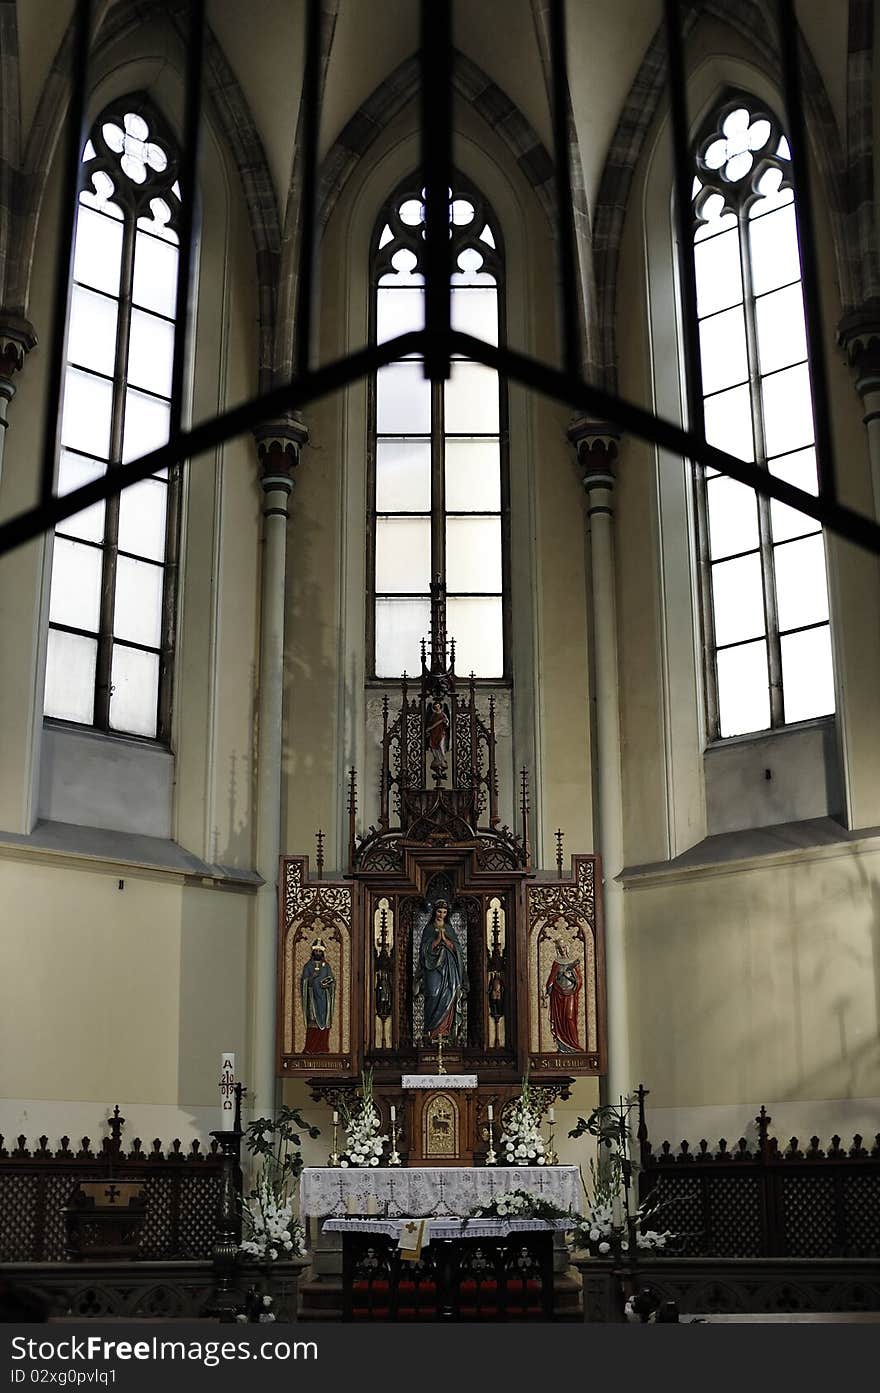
column 350, row 1206
column 227, row 1091
column 491, row 1112
column 336, row 1119
column 372, row 1205
column 393, row 1113
column 617, row 1211
column 552, row 1116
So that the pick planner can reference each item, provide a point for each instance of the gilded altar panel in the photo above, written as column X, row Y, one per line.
column 315, row 1020
column 566, row 1008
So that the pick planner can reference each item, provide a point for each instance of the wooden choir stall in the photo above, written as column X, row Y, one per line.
column 441, row 964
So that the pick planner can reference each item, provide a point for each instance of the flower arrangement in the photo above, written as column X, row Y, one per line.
column 608, row 1226
column 521, row 1204
column 521, row 1142
column 271, row 1230
column 363, row 1141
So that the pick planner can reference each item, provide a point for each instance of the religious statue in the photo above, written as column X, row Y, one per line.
column 440, row 976
column 563, row 990
column 318, row 987
column 437, row 735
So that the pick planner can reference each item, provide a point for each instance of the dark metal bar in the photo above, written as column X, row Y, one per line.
column 565, row 388
column 189, row 165
column 684, row 178
column 803, row 207
column 311, row 108
column 75, row 138
column 435, row 57
column 568, row 310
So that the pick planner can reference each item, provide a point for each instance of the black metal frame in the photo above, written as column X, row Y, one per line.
column 437, row 341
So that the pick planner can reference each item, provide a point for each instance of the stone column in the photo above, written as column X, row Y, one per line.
column 279, row 444
column 859, row 334
column 596, row 444
column 17, row 338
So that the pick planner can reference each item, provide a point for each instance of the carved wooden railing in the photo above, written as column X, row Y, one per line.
column 182, row 1189
column 766, row 1200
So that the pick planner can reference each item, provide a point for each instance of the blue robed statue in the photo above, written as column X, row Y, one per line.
column 440, row 976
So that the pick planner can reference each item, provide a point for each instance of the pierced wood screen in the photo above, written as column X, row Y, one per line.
column 767, row 1201
column 182, row 1194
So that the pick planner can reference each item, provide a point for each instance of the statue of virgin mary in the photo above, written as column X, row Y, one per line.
column 440, row 976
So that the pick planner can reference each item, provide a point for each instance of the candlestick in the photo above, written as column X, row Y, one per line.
column 394, row 1158
column 334, row 1155
column 552, row 1116
column 491, row 1158
column 372, row 1205
column 227, row 1091
column 491, row 1112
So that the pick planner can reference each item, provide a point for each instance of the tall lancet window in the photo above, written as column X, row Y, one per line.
column 439, row 477
column 765, row 610
column 111, row 628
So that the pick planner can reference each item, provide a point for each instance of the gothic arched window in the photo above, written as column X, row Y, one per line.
column 111, row 624
column 439, row 478
column 765, row 595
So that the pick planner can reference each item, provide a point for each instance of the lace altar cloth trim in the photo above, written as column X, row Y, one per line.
column 438, row 1081
column 449, row 1228
column 400, row 1192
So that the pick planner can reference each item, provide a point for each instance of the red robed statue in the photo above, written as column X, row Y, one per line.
column 563, row 990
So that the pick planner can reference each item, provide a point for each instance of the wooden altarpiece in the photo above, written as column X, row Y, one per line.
column 527, row 988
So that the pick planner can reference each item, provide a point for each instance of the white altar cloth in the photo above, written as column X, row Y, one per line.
column 449, row 1228
column 419, row 1191
column 438, row 1081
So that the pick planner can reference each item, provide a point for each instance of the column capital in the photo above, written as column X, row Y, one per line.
column 858, row 334
column 17, row 338
column 279, row 443
column 596, row 445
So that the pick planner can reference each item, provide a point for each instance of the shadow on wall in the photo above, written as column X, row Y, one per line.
column 795, row 1015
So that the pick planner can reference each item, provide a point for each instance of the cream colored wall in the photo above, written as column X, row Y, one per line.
column 116, row 995
column 754, row 981
column 760, row 982
column 130, row 995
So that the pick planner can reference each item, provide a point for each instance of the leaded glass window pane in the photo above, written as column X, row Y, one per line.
column 439, row 460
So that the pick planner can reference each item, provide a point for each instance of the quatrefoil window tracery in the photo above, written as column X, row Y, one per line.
column 130, row 164
column 130, row 141
column 738, row 155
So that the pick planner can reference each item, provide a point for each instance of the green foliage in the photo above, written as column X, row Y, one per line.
column 277, row 1142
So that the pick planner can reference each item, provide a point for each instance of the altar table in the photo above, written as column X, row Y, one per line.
column 479, row 1270
column 419, row 1192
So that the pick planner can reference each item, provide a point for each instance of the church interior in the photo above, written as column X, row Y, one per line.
column 437, row 742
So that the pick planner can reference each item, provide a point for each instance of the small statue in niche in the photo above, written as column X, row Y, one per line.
column 440, row 976
column 383, row 993
column 496, row 996
column 318, row 989
column 437, row 726
column 562, row 994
